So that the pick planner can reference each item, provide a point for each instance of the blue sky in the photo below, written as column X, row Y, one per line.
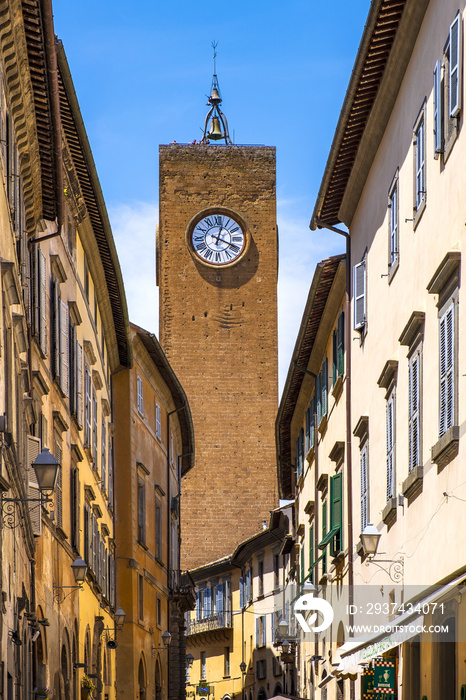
column 142, row 71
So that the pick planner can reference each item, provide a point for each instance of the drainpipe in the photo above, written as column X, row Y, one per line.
column 317, row 223
column 170, row 563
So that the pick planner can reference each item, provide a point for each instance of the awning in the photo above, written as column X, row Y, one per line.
column 361, row 650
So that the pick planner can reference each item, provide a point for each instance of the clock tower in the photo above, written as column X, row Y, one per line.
column 217, row 274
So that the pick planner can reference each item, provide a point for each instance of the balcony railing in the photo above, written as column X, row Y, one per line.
column 220, row 620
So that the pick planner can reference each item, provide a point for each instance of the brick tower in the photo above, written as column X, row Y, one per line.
column 217, row 274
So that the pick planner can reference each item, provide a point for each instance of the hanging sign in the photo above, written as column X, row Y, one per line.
column 368, row 684
column 203, row 689
column 384, row 679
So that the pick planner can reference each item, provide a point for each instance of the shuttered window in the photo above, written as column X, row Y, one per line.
column 414, row 411
column 438, row 136
column 447, row 378
column 324, row 532
column 158, row 530
column 103, row 466
column 140, row 396
column 333, row 535
column 35, row 508
column 59, row 487
column 359, row 292
column 141, row 511
column 158, row 421
column 340, row 345
column 87, row 407
column 364, row 487
column 42, row 301
column 324, row 386
column 454, row 66
column 393, row 221
column 311, row 553
column 390, row 435
column 94, row 430
column 300, row 453
column 419, row 162
column 64, row 349
column 79, row 384
column 75, row 508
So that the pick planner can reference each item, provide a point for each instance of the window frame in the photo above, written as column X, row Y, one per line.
column 419, row 165
column 360, row 292
column 393, row 225
column 390, row 423
column 364, row 491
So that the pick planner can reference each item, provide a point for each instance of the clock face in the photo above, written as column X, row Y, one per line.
column 218, row 239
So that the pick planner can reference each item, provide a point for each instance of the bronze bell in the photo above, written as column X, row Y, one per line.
column 215, row 132
column 215, row 97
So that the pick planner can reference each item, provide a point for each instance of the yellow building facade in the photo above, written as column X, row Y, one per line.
column 154, row 447
column 65, row 331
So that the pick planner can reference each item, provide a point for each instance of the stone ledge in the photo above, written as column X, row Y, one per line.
column 389, row 512
column 446, row 447
column 413, row 482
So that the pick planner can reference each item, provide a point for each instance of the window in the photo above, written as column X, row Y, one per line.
column 260, row 577
column 159, row 611
column 311, row 553
column 104, row 455
column 248, row 585
column 140, row 397
column 447, row 91
column 419, row 141
column 393, row 220
column 339, row 348
column 94, row 429
column 158, row 421
column 172, row 449
column 302, row 564
column 390, row 433
column 110, row 471
column 359, row 293
column 260, row 631
column 261, row 670
column 414, row 410
column 74, row 505
column 300, row 453
column 39, row 296
column 226, row 662
column 332, row 536
column 321, row 394
column 324, row 533
column 364, row 486
column 141, row 597
column 203, row 666
column 158, row 529
column 141, row 511
column 447, row 370
column 59, row 346
column 310, row 425
column 87, row 407
column 276, row 570
column 86, row 279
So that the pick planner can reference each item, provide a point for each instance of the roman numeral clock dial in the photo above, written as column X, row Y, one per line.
column 218, row 240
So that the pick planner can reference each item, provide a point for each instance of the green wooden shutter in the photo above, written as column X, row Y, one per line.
column 324, row 532
column 341, row 344
column 311, row 553
column 325, row 387
column 336, row 520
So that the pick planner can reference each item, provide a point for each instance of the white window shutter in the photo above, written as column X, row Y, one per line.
column 64, row 348
column 437, row 108
column 413, row 418
column 364, row 513
column 455, row 64
column 359, row 288
column 35, row 509
column 42, row 274
column 446, row 351
column 79, row 384
column 390, row 450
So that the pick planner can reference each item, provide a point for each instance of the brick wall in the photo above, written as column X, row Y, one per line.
column 218, row 328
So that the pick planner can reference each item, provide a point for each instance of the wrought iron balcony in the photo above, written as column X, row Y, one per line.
column 217, row 621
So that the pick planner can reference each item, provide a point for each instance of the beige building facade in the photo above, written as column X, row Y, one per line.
column 401, row 199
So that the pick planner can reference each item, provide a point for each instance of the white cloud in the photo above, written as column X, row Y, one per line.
column 134, row 232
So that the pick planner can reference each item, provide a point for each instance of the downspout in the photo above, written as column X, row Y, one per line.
column 52, row 74
column 349, row 480
column 169, row 537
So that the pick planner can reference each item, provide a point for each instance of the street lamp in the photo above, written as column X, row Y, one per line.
column 370, row 538
column 46, row 470
column 79, row 569
column 243, row 667
column 119, row 617
column 166, row 641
